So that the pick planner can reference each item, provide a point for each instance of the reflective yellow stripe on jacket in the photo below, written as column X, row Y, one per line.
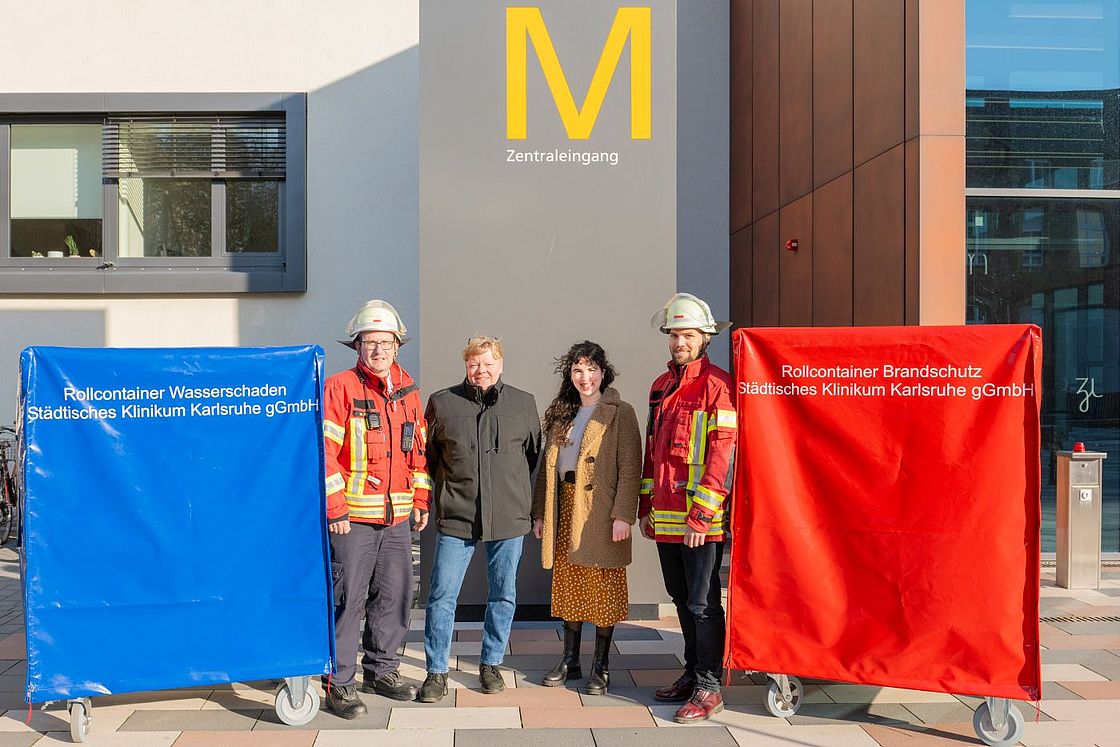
column 372, row 506
column 421, row 480
column 723, row 419
column 335, row 483
column 673, row 522
column 358, row 471
column 698, row 438
column 334, row 431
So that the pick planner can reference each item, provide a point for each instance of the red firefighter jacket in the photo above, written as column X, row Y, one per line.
column 690, row 451
column 373, row 474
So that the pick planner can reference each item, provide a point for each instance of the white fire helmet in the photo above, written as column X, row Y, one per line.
column 375, row 316
column 686, row 311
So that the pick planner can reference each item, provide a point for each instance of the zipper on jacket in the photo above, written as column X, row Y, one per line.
column 390, row 514
column 478, row 439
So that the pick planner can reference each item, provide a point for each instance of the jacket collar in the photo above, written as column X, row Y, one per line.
column 691, row 370
column 475, row 394
column 398, row 375
column 610, row 397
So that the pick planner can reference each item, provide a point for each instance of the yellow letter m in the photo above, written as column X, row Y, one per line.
column 528, row 22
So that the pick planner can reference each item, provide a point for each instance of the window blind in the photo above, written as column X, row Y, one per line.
column 194, row 146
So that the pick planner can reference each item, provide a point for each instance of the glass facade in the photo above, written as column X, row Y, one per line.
column 1043, row 212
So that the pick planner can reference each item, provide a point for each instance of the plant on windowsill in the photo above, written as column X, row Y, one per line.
column 72, row 246
column 36, row 254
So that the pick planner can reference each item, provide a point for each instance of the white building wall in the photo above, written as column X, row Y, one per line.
column 359, row 66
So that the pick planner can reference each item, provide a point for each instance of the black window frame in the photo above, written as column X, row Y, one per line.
column 223, row 272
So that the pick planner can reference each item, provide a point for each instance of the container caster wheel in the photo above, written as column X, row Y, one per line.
column 1010, row 732
column 80, row 719
column 777, row 703
column 294, row 714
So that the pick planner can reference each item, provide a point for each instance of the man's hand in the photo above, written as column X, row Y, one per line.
column 644, row 525
column 693, row 538
column 538, row 527
column 419, row 520
column 339, row 527
column 620, row 530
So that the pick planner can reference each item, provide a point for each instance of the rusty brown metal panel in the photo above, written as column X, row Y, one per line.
column 741, row 262
column 740, row 103
column 913, row 218
column 764, row 272
column 879, row 73
column 911, row 73
column 832, row 89
column 764, row 108
column 795, row 74
column 879, row 242
column 795, row 267
column 832, row 253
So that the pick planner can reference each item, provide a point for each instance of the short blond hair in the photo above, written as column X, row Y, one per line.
column 480, row 344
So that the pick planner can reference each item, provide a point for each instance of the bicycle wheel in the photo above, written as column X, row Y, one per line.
column 7, row 519
column 7, row 510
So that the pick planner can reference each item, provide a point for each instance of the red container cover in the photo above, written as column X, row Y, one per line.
column 886, row 507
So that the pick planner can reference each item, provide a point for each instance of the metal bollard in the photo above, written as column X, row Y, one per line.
column 1079, row 518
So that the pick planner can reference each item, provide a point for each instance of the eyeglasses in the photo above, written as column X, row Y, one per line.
column 482, row 338
column 386, row 345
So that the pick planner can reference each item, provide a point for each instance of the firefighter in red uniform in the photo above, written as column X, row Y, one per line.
column 377, row 481
column 690, row 449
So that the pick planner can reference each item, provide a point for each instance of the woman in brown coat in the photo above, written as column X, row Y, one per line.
column 584, row 502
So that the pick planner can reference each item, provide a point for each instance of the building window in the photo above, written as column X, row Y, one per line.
column 55, row 190
column 191, row 193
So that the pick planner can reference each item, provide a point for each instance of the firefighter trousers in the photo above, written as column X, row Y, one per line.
column 372, row 570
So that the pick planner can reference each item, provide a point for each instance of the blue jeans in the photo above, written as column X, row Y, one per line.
column 449, row 567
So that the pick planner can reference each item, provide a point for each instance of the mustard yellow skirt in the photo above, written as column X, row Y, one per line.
column 595, row 595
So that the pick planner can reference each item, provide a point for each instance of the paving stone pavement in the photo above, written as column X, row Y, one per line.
column 1080, row 705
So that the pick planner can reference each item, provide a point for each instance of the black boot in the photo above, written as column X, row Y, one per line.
column 344, row 701
column 568, row 668
column 600, row 674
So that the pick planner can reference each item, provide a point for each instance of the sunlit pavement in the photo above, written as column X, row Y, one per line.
column 1080, row 706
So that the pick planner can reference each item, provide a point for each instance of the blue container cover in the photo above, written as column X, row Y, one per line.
column 174, row 518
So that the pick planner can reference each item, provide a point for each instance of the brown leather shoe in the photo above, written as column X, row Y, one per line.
column 702, row 705
column 678, row 692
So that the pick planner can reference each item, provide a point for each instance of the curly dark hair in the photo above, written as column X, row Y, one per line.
column 562, row 411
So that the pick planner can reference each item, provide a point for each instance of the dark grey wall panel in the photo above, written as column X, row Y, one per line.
column 702, row 156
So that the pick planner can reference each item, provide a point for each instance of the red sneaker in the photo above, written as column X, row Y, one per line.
column 702, row 705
